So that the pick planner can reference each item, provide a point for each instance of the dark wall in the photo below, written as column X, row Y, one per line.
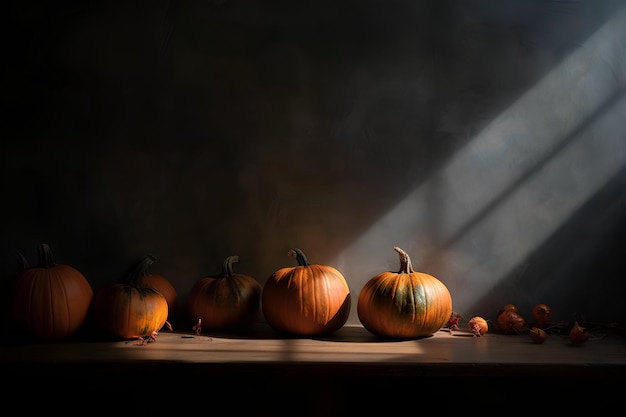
column 484, row 137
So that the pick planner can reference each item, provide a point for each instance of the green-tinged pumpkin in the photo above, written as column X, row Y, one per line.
column 228, row 301
column 51, row 301
column 404, row 304
column 306, row 300
column 127, row 309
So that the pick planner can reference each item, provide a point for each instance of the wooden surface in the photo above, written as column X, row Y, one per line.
column 336, row 369
column 351, row 347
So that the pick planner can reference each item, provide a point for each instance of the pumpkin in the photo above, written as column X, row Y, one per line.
column 226, row 301
column 578, row 335
column 510, row 322
column 542, row 314
column 50, row 300
column 127, row 309
column 537, row 335
column 156, row 281
column 404, row 304
column 307, row 299
column 478, row 326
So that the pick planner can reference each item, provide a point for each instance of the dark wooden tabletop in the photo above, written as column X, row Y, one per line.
column 340, row 367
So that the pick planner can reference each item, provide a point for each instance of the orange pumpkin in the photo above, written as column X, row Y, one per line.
column 404, row 304
column 538, row 335
column 129, row 310
column 510, row 322
column 578, row 335
column 306, row 300
column 227, row 301
column 542, row 314
column 51, row 300
column 478, row 326
column 156, row 281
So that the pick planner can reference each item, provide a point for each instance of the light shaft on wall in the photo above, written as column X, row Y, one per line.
column 540, row 159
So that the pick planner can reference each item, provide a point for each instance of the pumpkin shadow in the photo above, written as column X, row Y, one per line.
column 359, row 334
column 346, row 334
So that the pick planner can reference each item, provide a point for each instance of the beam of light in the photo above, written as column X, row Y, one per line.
column 500, row 197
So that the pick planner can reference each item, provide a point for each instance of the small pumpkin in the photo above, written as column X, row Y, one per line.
column 478, row 326
column 578, row 335
column 226, row 301
column 50, row 300
column 127, row 309
column 542, row 314
column 404, row 304
column 307, row 299
column 537, row 335
column 510, row 322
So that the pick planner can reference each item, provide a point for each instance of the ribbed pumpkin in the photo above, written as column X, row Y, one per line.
column 226, row 301
column 51, row 300
column 306, row 300
column 156, row 281
column 127, row 309
column 404, row 304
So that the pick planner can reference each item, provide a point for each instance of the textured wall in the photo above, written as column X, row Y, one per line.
column 486, row 138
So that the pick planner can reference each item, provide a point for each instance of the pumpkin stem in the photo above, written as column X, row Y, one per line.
column 227, row 268
column 405, row 262
column 137, row 270
column 45, row 256
column 299, row 255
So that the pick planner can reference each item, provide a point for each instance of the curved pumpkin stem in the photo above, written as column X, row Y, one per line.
column 227, row 268
column 137, row 270
column 45, row 256
column 405, row 262
column 299, row 255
